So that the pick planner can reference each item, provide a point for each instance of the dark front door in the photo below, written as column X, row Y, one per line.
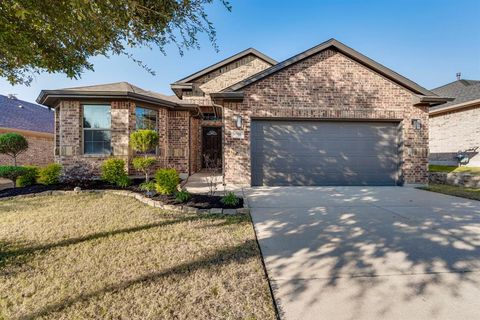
column 212, row 147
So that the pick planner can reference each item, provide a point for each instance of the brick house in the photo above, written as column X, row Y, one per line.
column 327, row 116
column 32, row 121
column 455, row 125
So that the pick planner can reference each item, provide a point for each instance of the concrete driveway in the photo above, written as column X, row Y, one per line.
column 369, row 252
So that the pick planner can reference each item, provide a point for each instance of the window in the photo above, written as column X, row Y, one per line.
column 96, row 129
column 146, row 118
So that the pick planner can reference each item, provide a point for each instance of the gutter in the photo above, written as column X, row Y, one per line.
column 454, row 107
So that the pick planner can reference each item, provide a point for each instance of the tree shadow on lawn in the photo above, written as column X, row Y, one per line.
column 237, row 254
column 19, row 256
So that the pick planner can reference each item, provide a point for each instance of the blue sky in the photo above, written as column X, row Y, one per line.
column 428, row 41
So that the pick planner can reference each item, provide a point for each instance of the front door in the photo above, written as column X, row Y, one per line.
column 212, row 147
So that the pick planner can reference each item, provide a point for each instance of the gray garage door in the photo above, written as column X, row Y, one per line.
column 328, row 153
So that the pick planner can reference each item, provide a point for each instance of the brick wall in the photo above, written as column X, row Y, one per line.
column 455, row 131
column 327, row 85
column 173, row 129
column 222, row 78
column 39, row 152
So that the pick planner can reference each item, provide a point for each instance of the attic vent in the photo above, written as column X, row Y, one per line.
column 12, row 96
column 20, row 106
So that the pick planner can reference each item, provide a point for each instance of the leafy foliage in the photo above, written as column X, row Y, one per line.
column 62, row 36
column 230, row 199
column 148, row 186
column 182, row 196
column 123, row 181
column 113, row 171
column 28, row 178
column 12, row 172
column 79, row 173
column 144, row 165
column 144, row 140
column 167, row 181
column 12, row 144
column 50, row 174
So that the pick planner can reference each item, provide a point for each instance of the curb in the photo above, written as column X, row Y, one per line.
column 139, row 197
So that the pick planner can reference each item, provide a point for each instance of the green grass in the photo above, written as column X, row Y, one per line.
column 469, row 193
column 103, row 256
column 439, row 168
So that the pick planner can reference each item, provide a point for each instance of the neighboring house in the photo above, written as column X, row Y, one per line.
column 455, row 126
column 35, row 123
column 327, row 116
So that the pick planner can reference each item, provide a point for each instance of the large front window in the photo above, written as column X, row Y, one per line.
column 146, row 118
column 96, row 129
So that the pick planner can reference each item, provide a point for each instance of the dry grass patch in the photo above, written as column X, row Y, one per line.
column 110, row 257
column 463, row 192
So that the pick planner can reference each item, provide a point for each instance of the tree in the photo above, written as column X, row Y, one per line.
column 13, row 144
column 61, row 36
column 144, row 141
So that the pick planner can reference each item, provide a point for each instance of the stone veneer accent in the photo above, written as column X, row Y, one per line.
column 455, row 131
column 328, row 85
column 174, row 136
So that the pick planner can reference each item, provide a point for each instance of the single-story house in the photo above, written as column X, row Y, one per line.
column 455, row 125
column 35, row 123
column 326, row 116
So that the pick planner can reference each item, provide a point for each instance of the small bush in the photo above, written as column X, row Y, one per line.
column 148, row 186
column 144, row 165
column 167, row 181
column 123, row 181
column 80, row 173
column 50, row 174
column 230, row 199
column 29, row 178
column 113, row 171
column 144, row 140
column 183, row 196
column 12, row 172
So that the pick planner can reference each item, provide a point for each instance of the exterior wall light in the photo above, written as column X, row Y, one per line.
column 238, row 121
column 417, row 124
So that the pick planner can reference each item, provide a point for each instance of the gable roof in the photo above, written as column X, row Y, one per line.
column 108, row 90
column 332, row 43
column 23, row 115
column 244, row 53
column 462, row 90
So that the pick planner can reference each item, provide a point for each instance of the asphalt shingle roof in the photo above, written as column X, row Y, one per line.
column 23, row 115
column 461, row 90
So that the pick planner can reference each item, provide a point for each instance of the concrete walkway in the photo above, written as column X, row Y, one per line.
column 369, row 253
column 205, row 182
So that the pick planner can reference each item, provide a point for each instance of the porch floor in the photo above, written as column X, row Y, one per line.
column 200, row 183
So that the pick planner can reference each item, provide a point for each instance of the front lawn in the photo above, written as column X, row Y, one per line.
column 105, row 256
column 469, row 193
column 462, row 169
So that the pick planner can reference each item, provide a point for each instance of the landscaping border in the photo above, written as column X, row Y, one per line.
column 455, row 179
column 141, row 198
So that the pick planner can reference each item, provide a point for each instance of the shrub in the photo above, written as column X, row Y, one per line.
column 230, row 199
column 144, row 140
column 167, row 181
column 182, row 196
column 13, row 144
column 123, row 181
column 113, row 171
column 29, row 178
column 12, row 172
column 50, row 174
column 79, row 173
column 144, row 164
column 148, row 186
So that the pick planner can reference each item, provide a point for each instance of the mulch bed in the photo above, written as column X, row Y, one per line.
column 199, row 201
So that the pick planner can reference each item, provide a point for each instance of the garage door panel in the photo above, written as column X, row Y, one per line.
column 324, row 153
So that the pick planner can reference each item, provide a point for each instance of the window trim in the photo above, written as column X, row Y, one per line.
column 82, row 106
